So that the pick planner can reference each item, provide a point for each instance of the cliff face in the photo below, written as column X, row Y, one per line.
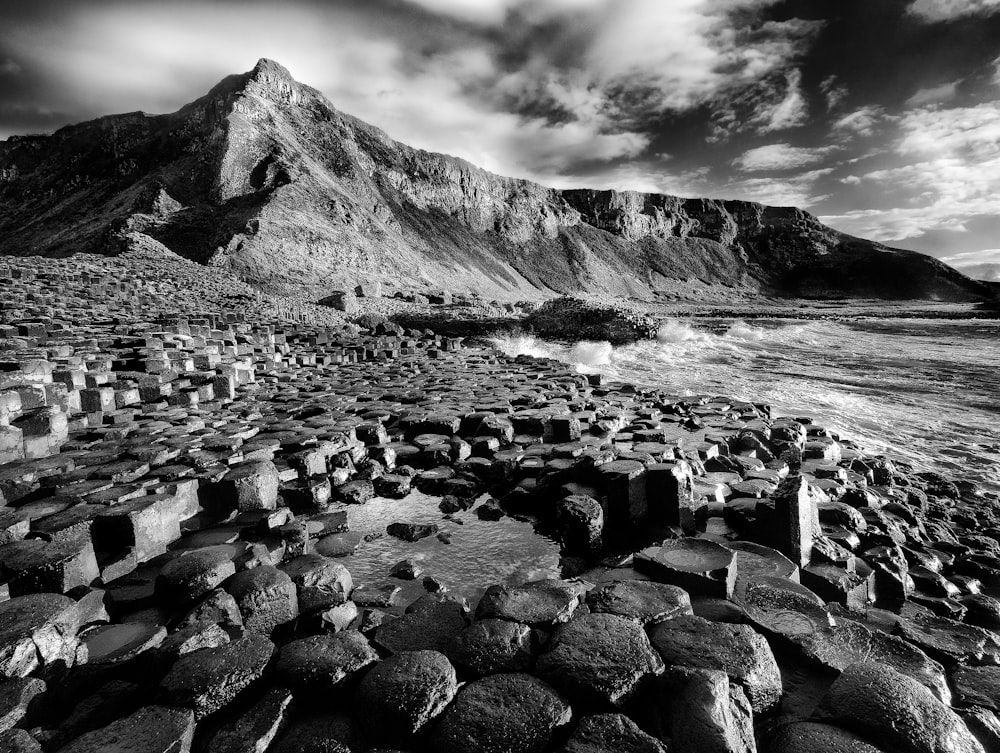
column 264, row 177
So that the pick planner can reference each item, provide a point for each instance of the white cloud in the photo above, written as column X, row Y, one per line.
column 983, row 256
column 946, row 10
column 791, row 111
column 861, row 122
column 933, row 95
column 798, row 190
column 834, row 92
column 780, row 157
column 950, row 173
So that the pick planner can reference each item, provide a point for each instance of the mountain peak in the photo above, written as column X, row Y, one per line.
column 269, row 69
column 273, row 80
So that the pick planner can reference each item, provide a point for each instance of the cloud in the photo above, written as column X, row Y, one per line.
column 780, row 157
column 948, row 10
column 933, row 95
column 861, row 122
column 9, row 68
column 834, row 92
column 798, row 190
column 948, row 172
column 983, row 256
column 791, row 111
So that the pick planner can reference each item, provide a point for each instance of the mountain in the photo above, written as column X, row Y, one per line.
column 262, row 176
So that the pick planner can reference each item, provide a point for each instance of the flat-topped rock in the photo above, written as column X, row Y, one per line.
column 490, row 646
column 503, row 713
column 151, row 729
column 324, row 662
column 36, row 631
column 539, row 603
column 648, row 602
column 699, row 566
column 601, row 658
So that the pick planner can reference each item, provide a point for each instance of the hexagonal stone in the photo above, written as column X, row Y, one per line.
column 255, row 729
column 322, row 582
column 539, row 603
column 948, row 641
column 324, row 662
column 647, row 601
column 209, row 679
column 401, row 695
column 881, row 704
column 266, row 597
column 251, row 486
column 490, row 646
column 744, row 655
column 37, row 630
column 599, row 657
column 707, row 713
column 504, row 713
column 194, row 573
column 603, row 733
column 977, row 686
column 36, row 566
column 699, row 566
column 431, row 625
column 151, row 729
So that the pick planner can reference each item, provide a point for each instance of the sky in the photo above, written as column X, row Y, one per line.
column 882, row 117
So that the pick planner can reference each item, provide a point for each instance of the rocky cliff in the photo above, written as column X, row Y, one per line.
column 262, row 176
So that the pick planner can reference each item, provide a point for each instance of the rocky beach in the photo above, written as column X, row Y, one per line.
column 185, row 470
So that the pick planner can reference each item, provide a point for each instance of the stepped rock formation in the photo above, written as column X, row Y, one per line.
column 263, row 177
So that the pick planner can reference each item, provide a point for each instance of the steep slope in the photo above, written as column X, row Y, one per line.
column 262, row 176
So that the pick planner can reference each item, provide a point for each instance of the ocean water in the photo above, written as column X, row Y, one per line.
column 925, row 391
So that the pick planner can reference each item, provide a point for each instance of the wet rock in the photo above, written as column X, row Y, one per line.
column 643, row 600
column 504, row 713
column 339, row 617
column 320, row 732
column 581, row 525
column 949, row 641
column 737, row 650
column 151, row 729
column 401, row 695
column 490, row 510
column 411, row 531
column 707, row 714
column 251, row 486
column 491, row 646
column 320, row 582
column 266, row 597
column 406, row 570
column 540, row 603
column 323, row 663
column 356, row 492
column 37, row 631
column 602, row 733
column 17, row 697
column 699, row 566
column 812, row 737
column 193, row 574
column 217, row 608
column 849, row 642
column 256, row 729
column 36, row 566
column 602, row 658
column 881, row 704
column 432, row 626
column 211, row 678
column 785, row 613
column 977, row 686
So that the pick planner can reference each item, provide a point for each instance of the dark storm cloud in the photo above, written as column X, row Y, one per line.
column 879, row 115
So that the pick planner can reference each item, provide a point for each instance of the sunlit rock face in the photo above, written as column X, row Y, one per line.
column 263, row 177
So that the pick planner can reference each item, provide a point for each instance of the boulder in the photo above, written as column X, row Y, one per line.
column 266, row 597
column 431, row 626
column 251, row 486
column 255, row 729
column 647, row 601
column 581, row 525
column 194, row 573
column 18, row 696
column 401, row 695
column 151, row 729
column 812, row 737
column 37, row 631
column 37, row 566
column 490, row 646
column 323, row 663
column 707, row 714
column 503, row 713
column 737, row 650
column 321, row 582
column 977, row 686
column 542, row 603
column 882, row 704
column 209, row 679
column 603, row 733
column 599, row 658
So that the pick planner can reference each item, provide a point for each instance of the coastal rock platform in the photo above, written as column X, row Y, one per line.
column 176, row 501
